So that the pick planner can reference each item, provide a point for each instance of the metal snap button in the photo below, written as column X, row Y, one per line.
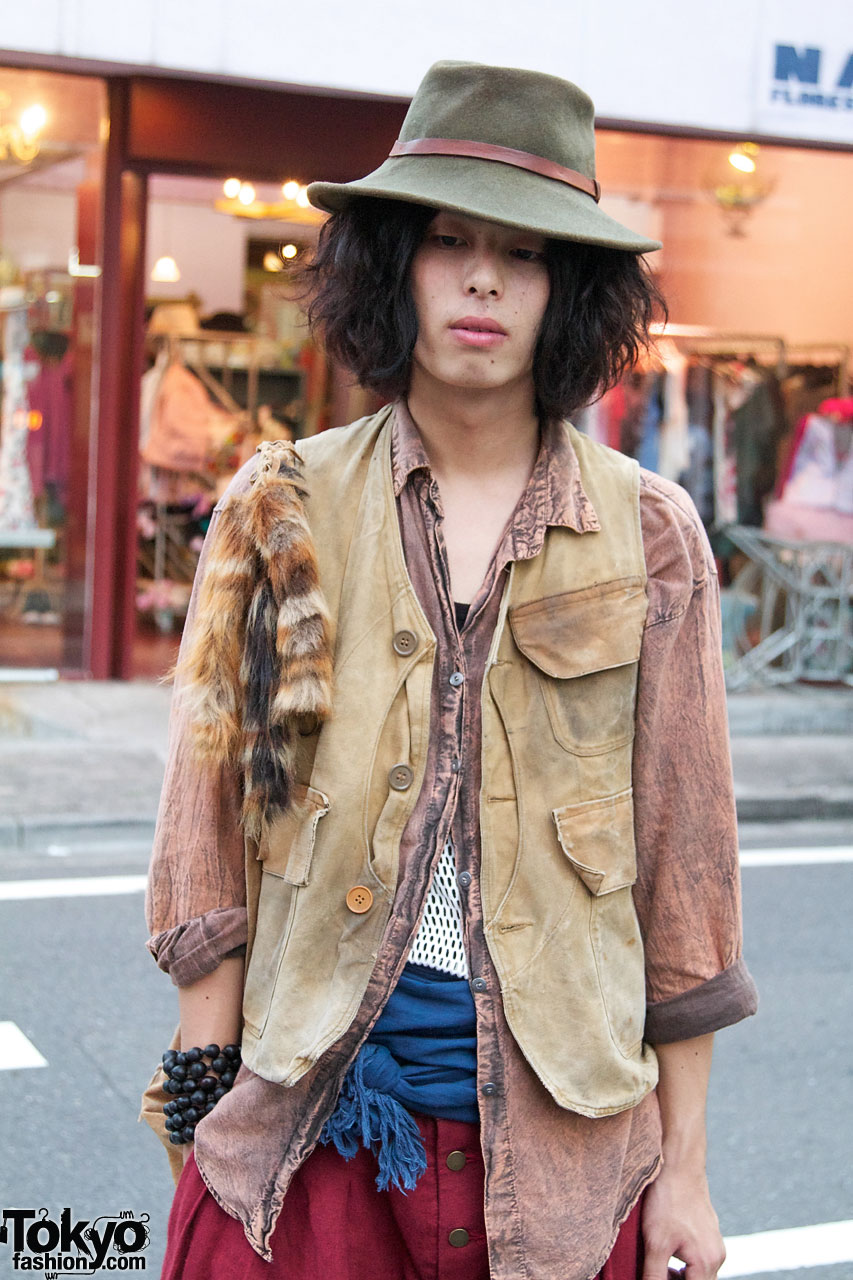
column 489, row 1090
column 359, row 899
column 401, row 777
column 479, row 984
column 465, row 879
column 456, row 1161
column 458, row 1238
column 456, row 679
column 404, row 642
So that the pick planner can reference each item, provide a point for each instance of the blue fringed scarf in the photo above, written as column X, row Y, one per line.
column 421, row 1056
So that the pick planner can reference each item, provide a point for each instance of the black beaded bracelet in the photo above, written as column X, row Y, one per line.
column 195, row 1092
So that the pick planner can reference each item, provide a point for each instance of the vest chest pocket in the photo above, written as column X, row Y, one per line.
column 285, row 852
column 597, row 837
column 585, row 646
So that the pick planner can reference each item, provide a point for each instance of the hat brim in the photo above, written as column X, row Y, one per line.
column 487, row 189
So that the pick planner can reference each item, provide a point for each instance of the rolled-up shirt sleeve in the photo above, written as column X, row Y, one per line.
column 687, row 893
column 196, row 901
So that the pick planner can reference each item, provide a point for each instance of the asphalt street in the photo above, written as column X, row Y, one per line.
column 79, row 985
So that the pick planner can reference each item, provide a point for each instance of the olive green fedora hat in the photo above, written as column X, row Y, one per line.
column 513, row 146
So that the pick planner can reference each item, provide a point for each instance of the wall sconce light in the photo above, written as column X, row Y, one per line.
column 737, row 194
column 744, row 157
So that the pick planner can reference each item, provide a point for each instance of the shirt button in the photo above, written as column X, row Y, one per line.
column 401, row 777
column 456, row 1161
column 456, row 679
column 404, row 642
column 458, row 1238
column 479, row 984
column 489, row 1090
column 359, row 899
column 455, row 764
column 464, row 878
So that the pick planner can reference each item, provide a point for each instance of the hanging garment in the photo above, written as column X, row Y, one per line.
column 180, row 431
column 817, row 501
column 16, row 490
column 51, row 393
column 673, row 450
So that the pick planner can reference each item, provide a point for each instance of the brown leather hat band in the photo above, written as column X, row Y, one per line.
column 503, row 155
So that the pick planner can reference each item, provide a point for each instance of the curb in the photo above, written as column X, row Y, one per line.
column 46, row 835
column 50, row 835
column 793, row 808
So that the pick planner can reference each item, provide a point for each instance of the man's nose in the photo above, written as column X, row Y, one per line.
column 483, row 276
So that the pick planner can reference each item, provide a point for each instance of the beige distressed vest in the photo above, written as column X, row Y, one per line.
column 558, row 857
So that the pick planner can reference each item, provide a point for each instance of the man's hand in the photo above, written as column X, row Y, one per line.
column 679, row 1221
column 678, row 1217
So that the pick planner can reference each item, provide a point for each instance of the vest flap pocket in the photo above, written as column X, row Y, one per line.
column 287, row 847
column 578, row 632
column 597, row 837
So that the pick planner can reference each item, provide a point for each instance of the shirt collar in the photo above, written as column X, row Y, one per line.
column 554, row 495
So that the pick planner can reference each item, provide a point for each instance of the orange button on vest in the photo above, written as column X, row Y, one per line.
column 359, row 899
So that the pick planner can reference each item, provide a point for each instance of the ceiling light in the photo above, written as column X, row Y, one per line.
column 231, row 187
column 289, row 251
column 290, row 190
column 247, row 193
column 302, row 198
column 166, row 271
column 272, row 262
column 33, row 120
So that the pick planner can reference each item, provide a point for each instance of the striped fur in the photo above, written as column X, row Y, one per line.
column 259, row 654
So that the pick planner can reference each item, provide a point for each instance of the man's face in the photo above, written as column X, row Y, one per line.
column 480, row 290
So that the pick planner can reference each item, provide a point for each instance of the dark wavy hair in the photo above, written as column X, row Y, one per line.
column 595, row 326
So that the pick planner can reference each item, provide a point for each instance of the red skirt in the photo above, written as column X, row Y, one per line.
column 335, row 1224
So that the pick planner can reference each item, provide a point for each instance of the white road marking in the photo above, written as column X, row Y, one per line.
column 796, row 857
column 16, row 1050
column 789, row 1249
column 73, row 887
column 100, row 847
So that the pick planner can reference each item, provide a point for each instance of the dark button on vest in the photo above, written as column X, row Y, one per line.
column 404, row 642
column 458, row 1238
column 456, row 1161
column 401, row 777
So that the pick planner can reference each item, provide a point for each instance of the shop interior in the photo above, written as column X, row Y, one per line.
column 52, row 137
column 744, row 399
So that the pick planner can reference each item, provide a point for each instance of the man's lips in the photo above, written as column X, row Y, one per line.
column 478, row 331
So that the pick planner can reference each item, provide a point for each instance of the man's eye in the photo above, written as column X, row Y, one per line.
column 449, row 242
column 527, row 255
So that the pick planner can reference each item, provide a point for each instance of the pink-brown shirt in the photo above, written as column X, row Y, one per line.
column 558, row 1184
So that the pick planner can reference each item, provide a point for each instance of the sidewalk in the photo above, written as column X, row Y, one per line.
column 81, row 763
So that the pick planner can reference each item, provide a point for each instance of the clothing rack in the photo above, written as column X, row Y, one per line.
column 704, row 340
column 835, row 355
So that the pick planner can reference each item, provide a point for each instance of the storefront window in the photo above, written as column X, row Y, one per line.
column 745, row 401
column 52, row 134
column 229, row 363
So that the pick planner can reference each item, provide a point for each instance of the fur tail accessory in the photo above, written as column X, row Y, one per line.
column 259, row 658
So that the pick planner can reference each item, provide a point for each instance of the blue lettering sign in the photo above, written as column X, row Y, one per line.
column 796, row 64
column 845, row 80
